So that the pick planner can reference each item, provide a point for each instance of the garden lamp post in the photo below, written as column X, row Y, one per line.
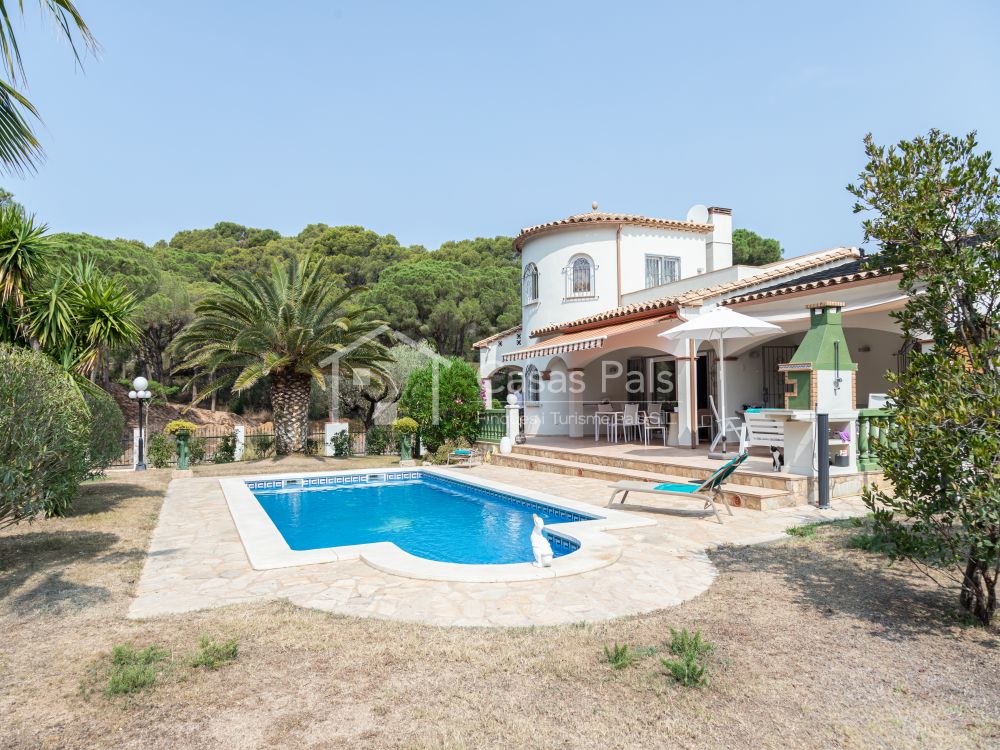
column 140, row 393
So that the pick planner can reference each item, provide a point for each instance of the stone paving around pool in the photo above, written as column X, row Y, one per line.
column 196, row 560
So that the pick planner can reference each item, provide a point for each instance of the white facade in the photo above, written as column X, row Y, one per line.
column 610, row 318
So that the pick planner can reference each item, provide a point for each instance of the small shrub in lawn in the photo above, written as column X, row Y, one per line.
column 213, row 655
column 620, row 656
column 160, row 450
column 689, row 652
column 807, row 531
column 133, row 670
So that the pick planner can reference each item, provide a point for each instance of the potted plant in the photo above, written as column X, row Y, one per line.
column 406, row 428
column 181, row 430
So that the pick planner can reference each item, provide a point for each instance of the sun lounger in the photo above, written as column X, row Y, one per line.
column 707, row 491
column 465, row 457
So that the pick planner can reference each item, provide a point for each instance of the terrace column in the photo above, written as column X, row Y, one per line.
column 574, row 400
column 687, row 399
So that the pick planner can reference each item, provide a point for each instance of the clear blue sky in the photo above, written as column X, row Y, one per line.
column 437, row 121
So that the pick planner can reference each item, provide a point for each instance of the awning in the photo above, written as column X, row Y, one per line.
column 593, row 338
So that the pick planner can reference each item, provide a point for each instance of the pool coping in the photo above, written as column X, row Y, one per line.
column 266, row 548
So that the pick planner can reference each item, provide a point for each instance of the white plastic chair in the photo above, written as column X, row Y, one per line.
column 605, row 417
column 729, row 424
column 655, row 420
column 630, row 420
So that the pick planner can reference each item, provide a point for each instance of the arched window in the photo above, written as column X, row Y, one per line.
column 529, row 284
column 531, row 380
column 580, row 277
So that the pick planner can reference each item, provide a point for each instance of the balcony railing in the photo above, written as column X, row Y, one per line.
column 580, row 281
column 492, row 425
column 873, row 430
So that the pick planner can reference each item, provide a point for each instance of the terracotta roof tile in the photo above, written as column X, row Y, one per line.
column 601, row 217
column 495, row 337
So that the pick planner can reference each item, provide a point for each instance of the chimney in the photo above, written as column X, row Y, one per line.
column 719, row 250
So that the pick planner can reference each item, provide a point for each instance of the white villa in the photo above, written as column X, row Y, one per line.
column 599, row 288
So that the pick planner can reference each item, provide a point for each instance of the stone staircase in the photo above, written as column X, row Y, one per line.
column 748, row 489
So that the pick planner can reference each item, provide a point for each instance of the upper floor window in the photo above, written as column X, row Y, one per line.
column 529, row 284
column 580, row 280
column 531, row 381
column 662, row 269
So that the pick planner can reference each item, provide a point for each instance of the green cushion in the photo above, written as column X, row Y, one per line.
column 677, row 487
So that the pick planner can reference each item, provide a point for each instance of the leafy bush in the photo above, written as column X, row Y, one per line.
column 213, row 655
column 261, row 446
column 458, row 402
column 405, row 426
column 160, row 450
column 311, row 447
column 620, row 656
column 377, row 440
column 107, row 425
column 133, row 670
column 688, row 668
column 225, row 453
column 175, row 426
column 45, row 436
column 341, row 442
column 197, row 448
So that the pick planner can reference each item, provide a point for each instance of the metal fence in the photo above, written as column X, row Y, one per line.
column 213, row 444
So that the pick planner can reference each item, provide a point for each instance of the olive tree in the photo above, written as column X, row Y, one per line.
column 933, row 206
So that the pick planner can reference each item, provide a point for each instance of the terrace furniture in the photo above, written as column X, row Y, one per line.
column 465, row 457
column 729, row 424
column 708, row 491
column 607, row 417
column 631, row 420
column 760, row 430
column 656, row 420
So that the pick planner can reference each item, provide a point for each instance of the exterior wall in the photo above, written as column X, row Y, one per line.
column 638, row 242
column 552, row 253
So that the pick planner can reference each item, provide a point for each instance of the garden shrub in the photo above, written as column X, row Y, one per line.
column 261, row 446
column 459, row 402
column 689, row 650
column 225, row 453
column 160, row 450
column 45, row 436
column 341, row 443
column 620, row 656
column 440, row 456
column 176, row 425
column 377, row 440
column 107, row 426
column 133, row 670
column 197, row 448
column 213, row 655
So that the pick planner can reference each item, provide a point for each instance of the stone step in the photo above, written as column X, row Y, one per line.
column 796, row 485
column 739, row 495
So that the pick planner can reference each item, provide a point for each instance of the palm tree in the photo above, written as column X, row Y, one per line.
column 282, row 326
column 23, row 250
column 20, row 150
column 80, row 315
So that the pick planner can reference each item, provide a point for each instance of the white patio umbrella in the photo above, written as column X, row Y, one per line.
column 721, row 323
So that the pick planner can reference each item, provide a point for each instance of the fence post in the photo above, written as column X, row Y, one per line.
column 135, row 446
column 239, row 434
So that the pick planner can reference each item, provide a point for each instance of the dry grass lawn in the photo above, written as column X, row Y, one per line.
column 817, row 645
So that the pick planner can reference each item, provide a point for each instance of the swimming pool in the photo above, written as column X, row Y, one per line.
column 424, row 522
column 428, row 516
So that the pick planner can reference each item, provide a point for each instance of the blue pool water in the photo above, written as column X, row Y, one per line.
column 429, row 517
